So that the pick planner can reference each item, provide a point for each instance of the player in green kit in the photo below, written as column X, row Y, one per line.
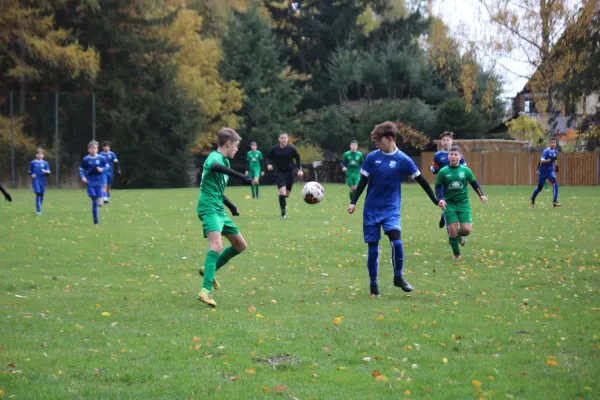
column 254, row 167
column 215, row 223
column 452, row 182
column 351, row 162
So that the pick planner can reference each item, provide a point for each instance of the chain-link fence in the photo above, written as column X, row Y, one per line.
column 59, row 123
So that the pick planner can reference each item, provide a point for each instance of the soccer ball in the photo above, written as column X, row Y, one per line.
column 313, row 193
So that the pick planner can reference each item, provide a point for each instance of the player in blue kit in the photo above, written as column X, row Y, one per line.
column 113, row 163
column 440, row 160
column 91, row 171
column 383, row 171
column 38, row 169
column 546, row 172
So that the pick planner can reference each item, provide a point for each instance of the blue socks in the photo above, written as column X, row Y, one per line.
column 373, row 262
column 95, row 210
column 38, row 203
column 397, row 257
column 555, row 191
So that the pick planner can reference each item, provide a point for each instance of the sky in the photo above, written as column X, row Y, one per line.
column 464, row 18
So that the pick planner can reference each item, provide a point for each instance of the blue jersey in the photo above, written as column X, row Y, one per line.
column 548, row 169
column 385, row 173
column 111, row 158
column 440, row 160
column 36, row 167
column 88, row 169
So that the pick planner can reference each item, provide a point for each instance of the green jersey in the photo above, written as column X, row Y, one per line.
column 352, row 161
column 454, row 181
column 212, row 186
column 254, row 159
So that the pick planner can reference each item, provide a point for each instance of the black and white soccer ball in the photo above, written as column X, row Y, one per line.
column 313, row 193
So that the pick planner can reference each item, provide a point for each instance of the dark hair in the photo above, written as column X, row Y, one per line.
column 354, row 142
column 553, row 138
column 283, row 133
column 105, row 143
column 447, row 133
column 225, row 135
column 252, row 143
column 455, row 149
column 385, row 129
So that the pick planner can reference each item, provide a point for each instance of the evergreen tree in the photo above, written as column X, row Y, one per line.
column 252, row 57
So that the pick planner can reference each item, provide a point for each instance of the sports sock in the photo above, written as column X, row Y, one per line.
column 256, row 189
column 397, row 257
column 95, row 210
column 546, row 185
column 454, row 243
column 225, row 256
column 252, row 188
column 555, row 191
column 38, row 204
column 373, row 263
column 282, row 203
column 536, row 191
column 210, row 267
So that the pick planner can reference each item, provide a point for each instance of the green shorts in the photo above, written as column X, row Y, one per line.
column 218, row 223
column 352, row 178
column 458, row 214
column 254, row 173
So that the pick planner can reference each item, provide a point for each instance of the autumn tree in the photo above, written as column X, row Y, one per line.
column 526, row 128
column 33, row 47
column 527, row 31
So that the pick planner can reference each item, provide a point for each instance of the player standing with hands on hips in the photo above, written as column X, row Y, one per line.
column 281, row 159
column 383, row 171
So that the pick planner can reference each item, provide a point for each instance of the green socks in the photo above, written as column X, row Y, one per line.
column 454, row 242
column 225, row 256
column 253, row 193
column 210, row 268
column 254, row 190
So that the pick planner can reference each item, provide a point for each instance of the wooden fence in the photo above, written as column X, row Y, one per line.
column 519, row 168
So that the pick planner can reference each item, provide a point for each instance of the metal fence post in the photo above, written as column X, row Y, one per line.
column 13, row 173
column 93, row 116
column 56, row 139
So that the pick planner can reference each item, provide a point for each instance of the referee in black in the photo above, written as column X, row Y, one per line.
column 281, row 159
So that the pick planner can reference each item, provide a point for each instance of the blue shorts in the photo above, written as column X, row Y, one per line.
column 108, row 179
column 38, row 187
column 546, row 175
column 372, row 226
column 94, row 191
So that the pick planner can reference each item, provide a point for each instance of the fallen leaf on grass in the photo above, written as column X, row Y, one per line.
column 337, row 321
column 366, row 359
column 381, row 378
column 251, row 309
column 250, row 371
column 106, row 314
column 476, row 383
column 445, row 360
column 375, row 373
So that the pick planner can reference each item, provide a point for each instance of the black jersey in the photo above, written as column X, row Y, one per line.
column 282, row 158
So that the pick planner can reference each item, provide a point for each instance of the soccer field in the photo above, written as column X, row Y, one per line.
column 111, row 312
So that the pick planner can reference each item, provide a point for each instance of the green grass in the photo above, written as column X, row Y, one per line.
column 525, row 298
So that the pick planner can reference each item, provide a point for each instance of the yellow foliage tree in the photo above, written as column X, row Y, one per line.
column 197, row 61
column 45, row 47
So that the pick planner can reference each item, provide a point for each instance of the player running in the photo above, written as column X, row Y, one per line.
column 91, row 171
column 383, row 171
column 281, row 159
column 254, row 168
column 38, row 170
column 215, row 223
column 546, row 172
column 451, row 183
column 113, row 163
column 351, row 163
column 440, row 160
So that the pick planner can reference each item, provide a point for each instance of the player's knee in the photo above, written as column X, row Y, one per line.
column 465, row 231
column 240, row 245
column 393, row 234
column 540, row 186
column 373, row 245
column 216, row 246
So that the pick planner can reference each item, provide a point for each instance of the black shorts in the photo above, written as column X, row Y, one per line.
column 285, row 178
